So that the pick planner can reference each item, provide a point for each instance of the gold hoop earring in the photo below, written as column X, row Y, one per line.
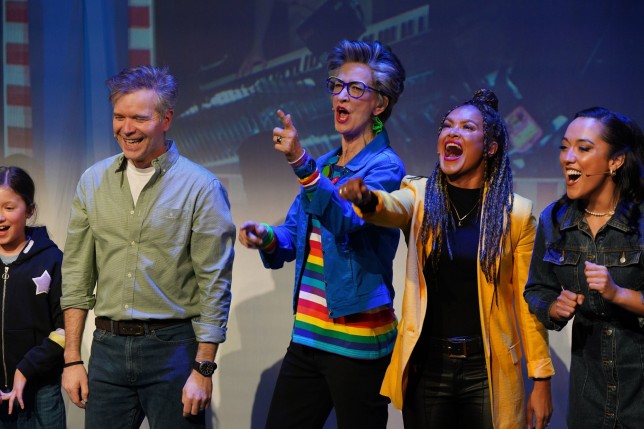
column 613, row 172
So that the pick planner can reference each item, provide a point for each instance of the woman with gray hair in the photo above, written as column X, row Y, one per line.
column 345, row 327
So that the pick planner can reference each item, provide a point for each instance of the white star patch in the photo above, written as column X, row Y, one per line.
column 42, row 283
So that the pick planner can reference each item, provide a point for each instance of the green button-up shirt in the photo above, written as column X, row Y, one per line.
column 168, row 257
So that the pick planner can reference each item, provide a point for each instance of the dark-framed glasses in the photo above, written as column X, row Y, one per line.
column 354, row 89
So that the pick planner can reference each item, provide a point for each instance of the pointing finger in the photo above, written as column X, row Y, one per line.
column 287, row 123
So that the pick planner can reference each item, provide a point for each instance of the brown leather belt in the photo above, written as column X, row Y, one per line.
column 460, row 347
column 135, row 327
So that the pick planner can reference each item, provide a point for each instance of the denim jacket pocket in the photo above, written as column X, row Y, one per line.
column 565, row 266
column 622, row 258
column 623, row 266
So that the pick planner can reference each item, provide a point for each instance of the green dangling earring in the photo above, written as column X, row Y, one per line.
column 377, row 125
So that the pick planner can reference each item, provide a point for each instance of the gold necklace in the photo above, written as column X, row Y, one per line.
column 461, row 219
column 608, row 213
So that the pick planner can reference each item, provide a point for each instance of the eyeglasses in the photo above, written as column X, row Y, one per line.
column 354, row 89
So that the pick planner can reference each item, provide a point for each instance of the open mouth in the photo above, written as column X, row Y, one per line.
column 573, row 175
column 4, row 228
column 342, row 114
column 453, row 151
column 132, row 141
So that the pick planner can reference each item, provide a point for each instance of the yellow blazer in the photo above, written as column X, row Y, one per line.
column 501, row 318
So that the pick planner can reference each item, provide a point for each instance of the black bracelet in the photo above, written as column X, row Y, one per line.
column 541, row 379
column 76, row 362
column 369, row 207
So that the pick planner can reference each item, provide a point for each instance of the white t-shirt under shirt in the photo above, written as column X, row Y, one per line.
column 138, row 178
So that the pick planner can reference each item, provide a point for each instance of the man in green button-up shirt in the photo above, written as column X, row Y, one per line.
column 150, row 249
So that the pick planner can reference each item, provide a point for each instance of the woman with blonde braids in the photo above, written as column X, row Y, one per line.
column 456, row 362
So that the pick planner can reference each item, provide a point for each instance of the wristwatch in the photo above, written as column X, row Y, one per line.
column 205, row 368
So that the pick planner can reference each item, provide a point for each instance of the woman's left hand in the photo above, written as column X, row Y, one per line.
column 599, row 279
column 286, row 140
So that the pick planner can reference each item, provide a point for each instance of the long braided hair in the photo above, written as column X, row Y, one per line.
column 497, row 193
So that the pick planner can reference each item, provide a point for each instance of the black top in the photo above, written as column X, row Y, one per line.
column 452, row 296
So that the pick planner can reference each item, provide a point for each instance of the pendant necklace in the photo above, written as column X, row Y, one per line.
column 462, row 218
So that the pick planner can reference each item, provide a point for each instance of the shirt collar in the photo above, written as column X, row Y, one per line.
column 160, row 164
column 573, row 216
column 377, row 145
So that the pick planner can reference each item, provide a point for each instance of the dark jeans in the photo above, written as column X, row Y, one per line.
column 132, row 377
column 447, row 392
column 311, row 382
column 46, row 412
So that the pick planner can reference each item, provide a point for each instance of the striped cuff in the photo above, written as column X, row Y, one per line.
column 269, row 243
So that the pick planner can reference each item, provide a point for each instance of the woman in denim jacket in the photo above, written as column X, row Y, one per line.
column 588, row 262
column 345, row 327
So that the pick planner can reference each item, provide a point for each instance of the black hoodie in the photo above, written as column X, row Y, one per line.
column 30, row 291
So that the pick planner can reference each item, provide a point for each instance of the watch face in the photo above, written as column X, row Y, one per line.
column 205, row 368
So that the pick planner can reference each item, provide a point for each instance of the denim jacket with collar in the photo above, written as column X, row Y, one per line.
column 358, row 256
column 607, row 357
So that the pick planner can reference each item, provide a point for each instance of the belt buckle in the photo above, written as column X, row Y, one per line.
column 454, row 354
column 132, row 330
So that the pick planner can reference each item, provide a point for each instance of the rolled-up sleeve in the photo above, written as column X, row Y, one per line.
column 212, row 252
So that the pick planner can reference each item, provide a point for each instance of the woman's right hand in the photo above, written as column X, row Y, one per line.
column 286, row 139
column 251, row 234
column 355, row 191
column 566, row 305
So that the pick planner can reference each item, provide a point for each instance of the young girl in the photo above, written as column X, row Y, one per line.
column 31, row 322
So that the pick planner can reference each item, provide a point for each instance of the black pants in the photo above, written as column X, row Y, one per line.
column 311, row 382
column 447, row 392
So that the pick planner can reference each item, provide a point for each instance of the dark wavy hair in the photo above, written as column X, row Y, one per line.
column 388, row 72
column 497, row 192
column 624, row 137
column 21, row 183
column 157, row 79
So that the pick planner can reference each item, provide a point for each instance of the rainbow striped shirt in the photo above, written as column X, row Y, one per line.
column 367, row 335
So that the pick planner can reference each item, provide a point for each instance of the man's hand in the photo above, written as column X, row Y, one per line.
column 196, row 394
column 75, row 384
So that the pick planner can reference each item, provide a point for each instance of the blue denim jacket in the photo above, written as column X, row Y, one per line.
column 358, row 257
column 607, row 357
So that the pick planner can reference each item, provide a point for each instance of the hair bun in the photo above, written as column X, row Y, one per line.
column 486, row 96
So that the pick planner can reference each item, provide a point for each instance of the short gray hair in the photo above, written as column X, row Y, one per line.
column 388, row 72
column 158, row 79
